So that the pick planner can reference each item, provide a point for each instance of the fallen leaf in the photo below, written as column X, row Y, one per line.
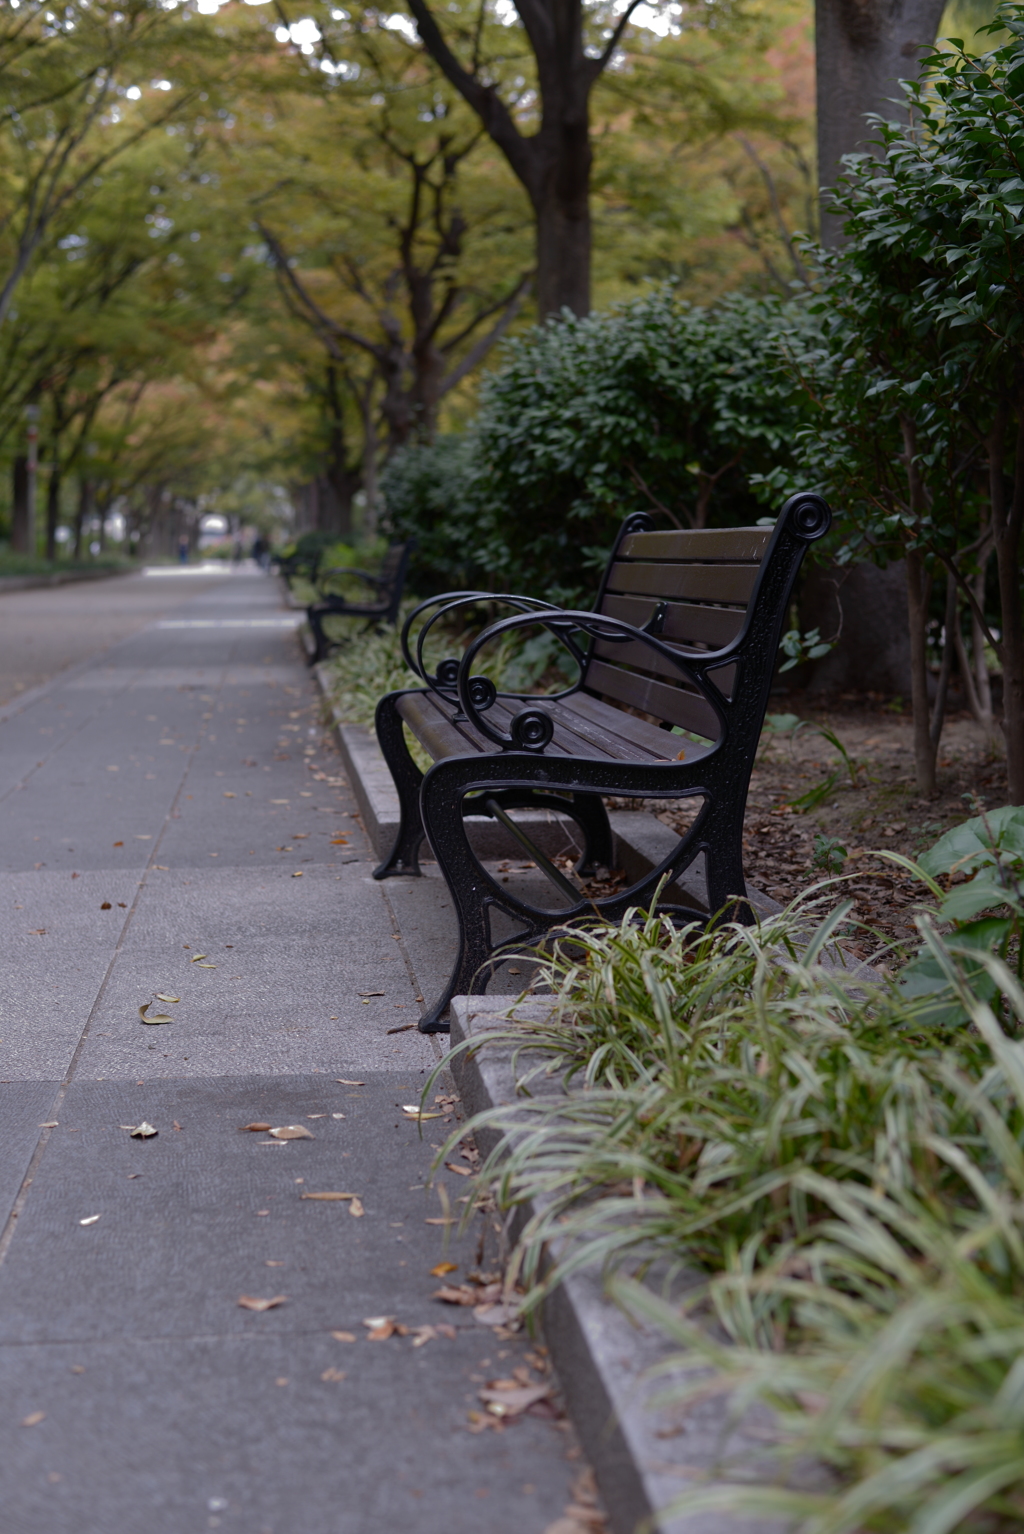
column 143, row 1131
column 51, row 1124
column 328, row 1197
column 442, row 1268
column 382, row 1327
column 229, row 796
column 344, row 1336
column 206, row 966
column 496, row 1315
column 463, row 1171
column 119, row 844
column 297, row 874
column 356, row 1207
column 250, row 1302
column 413, row 1111
column 33, row 1419
column 316, row 1115
column 163, row 996
column 105, row 905
column 339, row 841
column 176, row 1124
column 291, row 1132
column 337, row 1115
column 196, row 957
column 153, row 1017
column 448, row 1219
column 333, row 1376
column 370, row 993
column 162, row 868
column 253, row 1128
column 464, row 1294
column 507, row 1398
column 343, row 1083
column 405, row 1028
column 89, row 1219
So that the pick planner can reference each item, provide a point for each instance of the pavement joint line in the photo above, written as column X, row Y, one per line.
column 396, row 932
column 7, row 1234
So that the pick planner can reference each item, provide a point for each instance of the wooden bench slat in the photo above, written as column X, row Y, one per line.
column 685, row 622
column 685, row 709
column 643, row 657
column 731, row 543
column 662, row 744
column 708, row 583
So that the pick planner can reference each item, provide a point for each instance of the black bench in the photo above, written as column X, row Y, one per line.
column 683, row 636
column 382, row 608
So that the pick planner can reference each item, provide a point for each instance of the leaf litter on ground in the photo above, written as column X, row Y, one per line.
column 292, row 1132
column 251, row 1302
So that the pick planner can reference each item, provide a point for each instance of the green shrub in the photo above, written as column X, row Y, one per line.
column 429, row 490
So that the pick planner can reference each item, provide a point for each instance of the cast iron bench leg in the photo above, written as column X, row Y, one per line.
column 404, row 855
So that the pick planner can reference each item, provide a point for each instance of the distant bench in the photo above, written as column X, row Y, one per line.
column 381, row 606
column 685, row 631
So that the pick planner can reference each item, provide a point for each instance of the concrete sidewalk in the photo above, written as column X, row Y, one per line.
column 175, row 796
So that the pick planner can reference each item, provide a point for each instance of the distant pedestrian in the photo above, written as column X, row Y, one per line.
column 183, row 550
column 261, row 552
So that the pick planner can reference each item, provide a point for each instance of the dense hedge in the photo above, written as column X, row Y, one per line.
column 654, row 405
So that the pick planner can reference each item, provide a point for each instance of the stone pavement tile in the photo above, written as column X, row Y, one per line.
column 284, row 997
column 58, row 943
column 186, row 1435
column 177, row 1244
column 24, row 1106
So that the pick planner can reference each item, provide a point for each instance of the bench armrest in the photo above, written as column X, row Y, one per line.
column 451, row 601
column 532, row 728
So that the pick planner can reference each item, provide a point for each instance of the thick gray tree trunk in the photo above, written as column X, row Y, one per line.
column 863, row 49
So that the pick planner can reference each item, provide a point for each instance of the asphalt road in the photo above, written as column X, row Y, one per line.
column 174, row 821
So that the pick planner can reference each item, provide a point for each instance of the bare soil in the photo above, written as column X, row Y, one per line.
column 879, row 809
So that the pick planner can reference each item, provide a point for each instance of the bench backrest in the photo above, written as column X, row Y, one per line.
column 393, row 570
column 705, row 580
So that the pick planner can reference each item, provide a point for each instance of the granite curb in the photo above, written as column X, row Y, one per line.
column 10, row 583
column 645, row 1454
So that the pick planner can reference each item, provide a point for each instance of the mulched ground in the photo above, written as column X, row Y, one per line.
column 881, row 809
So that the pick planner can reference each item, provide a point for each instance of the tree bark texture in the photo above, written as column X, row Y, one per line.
column 1007, row 526
column 863, row 49
column 19, row 505
column 53, row 508
column 554, row 164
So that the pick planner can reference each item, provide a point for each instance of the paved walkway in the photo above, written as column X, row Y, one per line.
column 171, row 794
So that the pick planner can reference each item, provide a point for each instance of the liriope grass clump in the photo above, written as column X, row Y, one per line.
column 839, row 1166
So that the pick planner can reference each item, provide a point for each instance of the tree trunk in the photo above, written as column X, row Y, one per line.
column 53, row 508
column 563, row 224
column 918, row 592
column 19, row 505
column 1007, row 523
column 863, row 49
column 84, row 511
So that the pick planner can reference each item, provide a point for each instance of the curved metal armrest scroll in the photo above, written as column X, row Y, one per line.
column 447, row 671
column 532, row 728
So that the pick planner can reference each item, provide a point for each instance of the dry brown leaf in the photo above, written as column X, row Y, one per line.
column 328, row 1197
column 442, row 1268
column 196, row 957
column 333, row 1376
column 507, row 1398
column 380, row 1328
column 339, row 841
column 413, row 1112
column 462, row 1171
column 292, row 1132
column 250, row 1302
column 163, row 996
column 119, row 844
column 90, row 1219
column 297, row 874
column 51, row 1124
column 405, row 1028
column 33, row 1419
column 356, row 1207
column 457, row 1294
column 342, row 1082
column 253, row 1128
column 144, row 1131
column 105, row 906
column 153, row 1017
column 371, row 993
column 447, row 1219
column 496, row 1315
column 206, row 966
column 344, row 1336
